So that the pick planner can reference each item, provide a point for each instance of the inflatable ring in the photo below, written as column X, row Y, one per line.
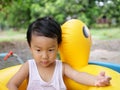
column 6, row 74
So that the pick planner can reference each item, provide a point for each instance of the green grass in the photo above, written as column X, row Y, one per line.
column 106, row 33
column 12, row 35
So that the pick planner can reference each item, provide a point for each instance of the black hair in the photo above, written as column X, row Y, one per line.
column 47, row 27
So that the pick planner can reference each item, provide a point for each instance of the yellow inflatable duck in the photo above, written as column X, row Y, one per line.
column 76, row 43
column 75, row 49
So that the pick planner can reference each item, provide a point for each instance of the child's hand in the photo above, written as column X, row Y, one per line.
column 102, row 80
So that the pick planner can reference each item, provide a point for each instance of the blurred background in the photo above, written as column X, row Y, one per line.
column 101, row 16
column 18, row 14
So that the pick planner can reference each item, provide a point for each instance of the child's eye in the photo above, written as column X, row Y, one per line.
column 51, row 49
column 38, row 50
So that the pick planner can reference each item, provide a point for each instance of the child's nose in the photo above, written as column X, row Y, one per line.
column 44, row 55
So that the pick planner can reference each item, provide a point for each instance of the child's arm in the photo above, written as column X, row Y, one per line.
column 85, row 78
column 19, row 77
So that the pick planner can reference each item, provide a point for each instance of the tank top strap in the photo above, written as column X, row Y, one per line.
column 58, row 75
column 33, row 68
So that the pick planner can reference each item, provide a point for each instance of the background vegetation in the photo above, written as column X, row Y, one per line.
column 98, row 34
column 19, row 13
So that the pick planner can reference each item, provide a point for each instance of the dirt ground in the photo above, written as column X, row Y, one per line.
column 106, row 51
column 101, row 50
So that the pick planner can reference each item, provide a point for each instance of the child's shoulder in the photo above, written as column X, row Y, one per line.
column 25, row 65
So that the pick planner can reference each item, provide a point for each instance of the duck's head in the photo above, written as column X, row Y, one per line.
column 76, row 43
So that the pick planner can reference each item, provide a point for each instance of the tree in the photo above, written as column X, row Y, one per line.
column 19, row 13
column 111, row 9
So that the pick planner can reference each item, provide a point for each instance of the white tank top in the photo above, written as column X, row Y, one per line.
column 36, row 82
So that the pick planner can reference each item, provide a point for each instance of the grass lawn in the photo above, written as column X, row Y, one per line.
column 12, row 35
column 106, row 33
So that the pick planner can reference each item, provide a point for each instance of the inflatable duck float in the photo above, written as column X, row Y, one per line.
column 74, row 50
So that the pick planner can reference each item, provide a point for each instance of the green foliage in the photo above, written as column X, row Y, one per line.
column 19, row 13
column 112, row 10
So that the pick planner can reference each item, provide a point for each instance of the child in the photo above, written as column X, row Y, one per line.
column 44, row 72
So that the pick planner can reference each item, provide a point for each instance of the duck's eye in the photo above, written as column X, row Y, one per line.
column 86, row 31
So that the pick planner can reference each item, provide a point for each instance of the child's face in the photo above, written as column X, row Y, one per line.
column 44, row 50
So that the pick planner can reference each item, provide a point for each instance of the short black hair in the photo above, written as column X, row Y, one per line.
column 45, row 26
